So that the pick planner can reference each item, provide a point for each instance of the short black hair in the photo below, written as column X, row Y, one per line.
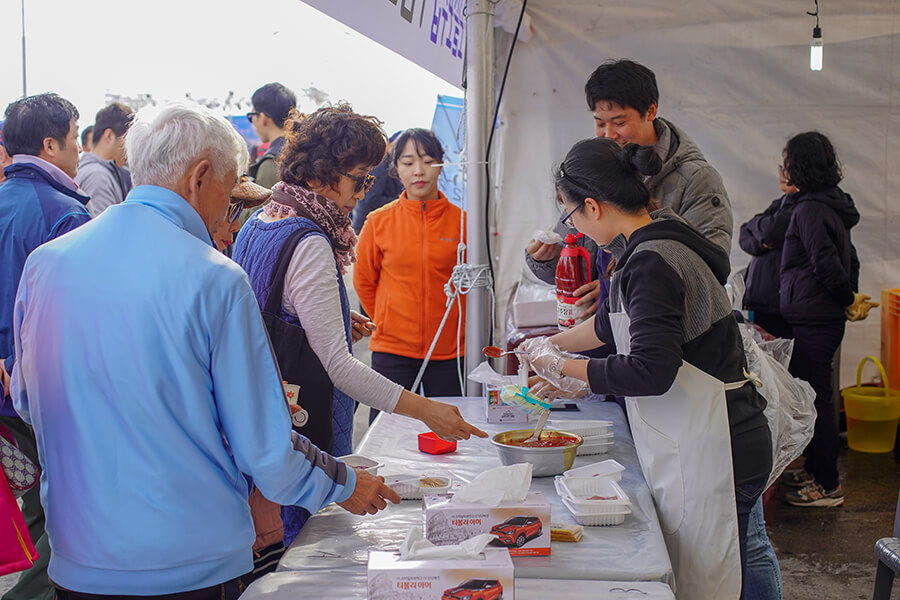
column 427, row 144
column 116, row 116
column 625, row 82
column 811, row 162
column 597, row 168
column 29, row 121
column 86, row 135
column 274, row 100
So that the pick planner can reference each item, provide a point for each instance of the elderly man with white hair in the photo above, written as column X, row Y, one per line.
column 155, row 409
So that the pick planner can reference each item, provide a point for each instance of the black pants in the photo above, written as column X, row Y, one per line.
column 814, row 348
column 440, row 378
column 773, row 323
column 230, row 590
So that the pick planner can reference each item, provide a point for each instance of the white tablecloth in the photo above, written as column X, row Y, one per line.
column 335, row 540
column 350, row 584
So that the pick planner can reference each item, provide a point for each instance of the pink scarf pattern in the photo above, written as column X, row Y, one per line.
column 290, row 200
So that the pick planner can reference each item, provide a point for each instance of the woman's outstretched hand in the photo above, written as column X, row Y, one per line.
column 446, row 421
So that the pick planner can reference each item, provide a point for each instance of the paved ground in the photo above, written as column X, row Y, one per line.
column 828, row 552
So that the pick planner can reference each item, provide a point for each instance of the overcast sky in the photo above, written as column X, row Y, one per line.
column 82, row 49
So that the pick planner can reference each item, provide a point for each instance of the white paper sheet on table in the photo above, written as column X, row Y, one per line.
column 633, row 551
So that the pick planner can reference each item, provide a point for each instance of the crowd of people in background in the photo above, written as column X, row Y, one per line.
column 148, row 262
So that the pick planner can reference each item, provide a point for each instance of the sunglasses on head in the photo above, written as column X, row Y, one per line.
column 362, row 183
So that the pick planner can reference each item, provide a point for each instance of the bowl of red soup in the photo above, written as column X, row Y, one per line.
column 551, row 454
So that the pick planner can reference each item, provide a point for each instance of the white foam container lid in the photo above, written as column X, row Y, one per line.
column 408, row 486
column 589, row 447
column 579, row 492
column 607, row 468
column 582, row 427
column 596, row 520
column 362, row 462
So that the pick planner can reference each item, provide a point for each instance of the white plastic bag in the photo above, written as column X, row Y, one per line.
column 789, row 401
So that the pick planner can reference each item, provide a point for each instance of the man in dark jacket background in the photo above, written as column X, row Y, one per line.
column 386, row 188
column 39, row 202
column 272, row 103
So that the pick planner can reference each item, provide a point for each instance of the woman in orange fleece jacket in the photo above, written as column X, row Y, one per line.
column 406, row 253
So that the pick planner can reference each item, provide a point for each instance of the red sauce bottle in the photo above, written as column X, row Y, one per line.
column 572, row 271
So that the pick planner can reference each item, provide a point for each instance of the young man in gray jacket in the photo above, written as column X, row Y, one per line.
column 102, row 173
column 624, row 98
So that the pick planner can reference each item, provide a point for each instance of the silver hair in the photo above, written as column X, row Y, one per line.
column 163, row 141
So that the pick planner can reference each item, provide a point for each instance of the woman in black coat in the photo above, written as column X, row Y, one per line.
column 819, row 282
column 762, row 237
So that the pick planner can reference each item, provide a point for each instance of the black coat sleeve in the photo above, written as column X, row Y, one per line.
column 766, row 230
column 654, row 298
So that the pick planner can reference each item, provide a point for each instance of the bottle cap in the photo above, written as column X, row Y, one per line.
column 570, row 239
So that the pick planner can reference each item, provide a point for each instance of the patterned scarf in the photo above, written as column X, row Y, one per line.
column 290, row 200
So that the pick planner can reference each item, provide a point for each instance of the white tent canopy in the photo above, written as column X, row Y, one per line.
column 736, row 77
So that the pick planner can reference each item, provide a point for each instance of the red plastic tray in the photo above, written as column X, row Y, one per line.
column 432, row 444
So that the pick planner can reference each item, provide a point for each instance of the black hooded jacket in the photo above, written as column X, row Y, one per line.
column 819, row 265
column 762, row 237
column 669, row 280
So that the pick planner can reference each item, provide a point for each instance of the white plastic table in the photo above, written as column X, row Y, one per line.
column 335, row 541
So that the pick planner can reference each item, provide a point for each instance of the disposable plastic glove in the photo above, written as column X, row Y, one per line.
column 547, row 359
column 568, row 387
column 859, row 309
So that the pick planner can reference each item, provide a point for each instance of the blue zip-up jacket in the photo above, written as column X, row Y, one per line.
column 150, row 408
column 34, row 209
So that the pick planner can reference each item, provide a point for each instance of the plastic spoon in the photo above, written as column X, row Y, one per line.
column 495, row 352
column 542, row 420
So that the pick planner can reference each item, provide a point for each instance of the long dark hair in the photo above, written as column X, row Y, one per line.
column 426, row 143
column 812, row 163
column 597, row 168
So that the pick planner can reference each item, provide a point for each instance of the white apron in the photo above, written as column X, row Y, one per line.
column 684, row 446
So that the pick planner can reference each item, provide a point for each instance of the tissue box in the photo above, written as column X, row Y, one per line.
column 534, row 304
column 523, row 527
column 497, row 411
column 390, row 578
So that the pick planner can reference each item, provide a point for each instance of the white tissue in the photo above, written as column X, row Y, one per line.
column 501, row 484
column 416, row 547
column 547, row 237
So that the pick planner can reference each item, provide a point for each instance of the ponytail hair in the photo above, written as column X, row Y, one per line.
column 597, row 168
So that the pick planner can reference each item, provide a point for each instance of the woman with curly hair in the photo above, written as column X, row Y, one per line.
column 324, row 170
column 819, row 283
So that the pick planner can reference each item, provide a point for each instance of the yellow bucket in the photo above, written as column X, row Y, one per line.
column 872, row 413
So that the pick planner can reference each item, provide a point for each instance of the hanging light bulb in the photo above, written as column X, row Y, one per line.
column 815, row 46
column 815, row 50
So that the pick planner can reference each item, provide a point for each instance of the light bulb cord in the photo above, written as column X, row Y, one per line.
column 815, row 14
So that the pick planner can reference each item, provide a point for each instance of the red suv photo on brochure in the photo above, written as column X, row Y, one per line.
column 475, row 589
column 515, row 531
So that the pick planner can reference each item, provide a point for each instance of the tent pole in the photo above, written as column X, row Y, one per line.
column 479, row 95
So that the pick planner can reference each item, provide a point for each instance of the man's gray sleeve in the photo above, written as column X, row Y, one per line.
column 706, row 207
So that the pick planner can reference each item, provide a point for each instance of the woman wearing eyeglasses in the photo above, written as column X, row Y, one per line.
column 697, row 420
column 324, row 172
column 407, row 251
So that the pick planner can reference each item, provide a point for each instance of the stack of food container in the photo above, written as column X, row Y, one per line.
column 592, row 494
column 598, row 435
